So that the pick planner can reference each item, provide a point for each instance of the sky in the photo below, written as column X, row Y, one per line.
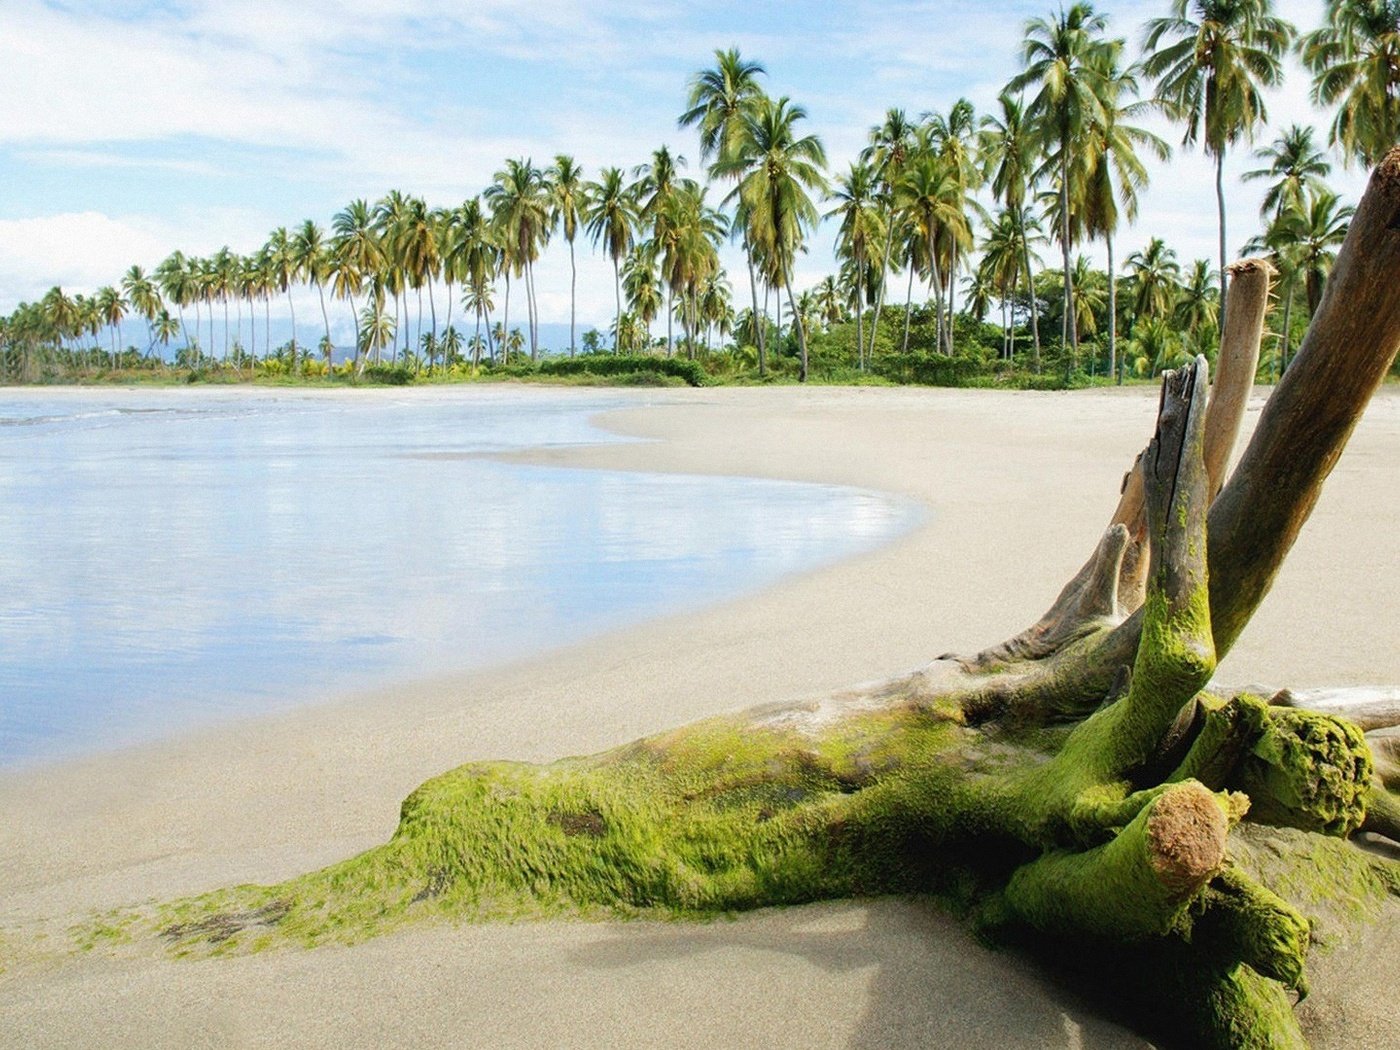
column 134, row 128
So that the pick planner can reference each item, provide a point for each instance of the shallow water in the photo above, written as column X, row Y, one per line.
column 169, row 558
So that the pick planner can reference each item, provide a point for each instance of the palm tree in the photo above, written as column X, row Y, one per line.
column 143, row 296
column 930, row 197
column 654, row 192
column 1197, row 307
column 281, row 257
column 390, row 218
column 611, row 216
column 1009, row 161
column 1064, row 57
column 1355, row 60
column 313, row 262
column 718, row 102
column 111, row 308
column 1317, row 229
column 1295, row 165
column 1115, row 173
column 355, row 254
column 475, row 255
column 565, row 182
column 776, row 170
column 861, row 233
column 1004, row 254
column 1212, row 60
column 173, row 277
column 643, row 292
column 520, row 210
column 889, row 149
column 1155, row 278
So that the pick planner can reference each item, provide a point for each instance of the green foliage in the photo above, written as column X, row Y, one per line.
column 388, row 375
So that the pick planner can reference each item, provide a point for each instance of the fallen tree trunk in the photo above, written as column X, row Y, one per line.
column 1079, row 789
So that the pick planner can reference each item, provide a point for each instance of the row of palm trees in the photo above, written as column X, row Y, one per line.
column 1062, row 152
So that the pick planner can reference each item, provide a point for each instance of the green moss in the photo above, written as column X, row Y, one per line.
column 716, row 817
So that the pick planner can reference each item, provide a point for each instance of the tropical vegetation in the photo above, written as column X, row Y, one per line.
column 962, row 208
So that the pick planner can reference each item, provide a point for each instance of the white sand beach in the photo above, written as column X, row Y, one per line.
column 1017, row 487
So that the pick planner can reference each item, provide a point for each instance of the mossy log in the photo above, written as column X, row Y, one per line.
column 1080, row 789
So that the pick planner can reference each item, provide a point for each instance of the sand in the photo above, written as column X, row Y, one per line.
column 1015, row 486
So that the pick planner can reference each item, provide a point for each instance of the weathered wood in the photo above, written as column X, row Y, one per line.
column 1303, row 428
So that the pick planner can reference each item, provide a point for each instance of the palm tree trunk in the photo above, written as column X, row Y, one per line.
column 884, row 278
column 1067, row 322
column 573, row 296
column 936, row 278
column 1030, row 292
column 296, row 358
column 1112, row 313
column 534, row 318
column 617, row 296
column 860, row 320
column 670, row 316
column 325, row 318
column 758, row 329
column 801, row 329
column 908, row 305
column 267, row 325
column 952, row 301
column 505, row 322
column 1220, row 208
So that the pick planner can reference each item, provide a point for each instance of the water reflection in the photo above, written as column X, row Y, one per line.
column 170, row 557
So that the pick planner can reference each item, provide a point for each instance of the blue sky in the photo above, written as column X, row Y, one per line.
column 131, row 129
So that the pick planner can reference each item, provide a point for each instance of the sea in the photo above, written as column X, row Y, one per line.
column 171, row 558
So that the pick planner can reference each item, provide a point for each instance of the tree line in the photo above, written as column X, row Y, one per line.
column 953, row 201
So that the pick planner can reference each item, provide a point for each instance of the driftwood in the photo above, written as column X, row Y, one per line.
column 1080, row 789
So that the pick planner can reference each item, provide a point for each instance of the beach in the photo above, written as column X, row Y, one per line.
column 1016, row 487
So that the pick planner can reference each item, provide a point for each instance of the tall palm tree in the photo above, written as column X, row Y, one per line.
column 1212, row 60
column 643, row 291
column 1355, row 61
column 1009, row 162
column 655, row 191
column 144, row 297
column 611, row 217
column 475, row 255
column 861, row 233
column 355, row 254
column 173, row 277
column 890, row 145
column 778, row 169
column 1004, row 254
column 1064, row 58
column 111, row 308
column 1115, row 174
column 520, row 210
column 281, row 255
column 565, row 181
column 1294, row 165
column 719, row 100
column 313, row 262
column 390, row 218
column 1197, row 306
column 930, row 196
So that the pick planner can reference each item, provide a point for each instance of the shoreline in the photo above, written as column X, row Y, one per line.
column 1016, row 486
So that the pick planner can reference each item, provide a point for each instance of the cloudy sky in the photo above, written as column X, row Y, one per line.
column 133, row 128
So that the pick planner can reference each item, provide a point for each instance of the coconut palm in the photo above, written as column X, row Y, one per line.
column 1009, row 163
column 475, row 256
column 953, row 138
column 1005, row 252
column 143, row 297
column 889, row 148
column 1155, row 278
column 565, row 182
column 520, row 211
column 111, row 308
column 611, row 217
column 1212, row 60
column 718, row 101
column 1317, row 229
column 1355, row 61
column 282, row 259
column 654, row 191
column 1294, row 165
column 173, row 278
column 643, row 291
column 1114, row 174
column 1197, row 306
column 313, row 262
column 355, row 253
column 861, row 233
column 930, row 197
column 777, row 170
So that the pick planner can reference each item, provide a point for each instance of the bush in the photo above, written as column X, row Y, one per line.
column 629, row 365
column 389, row 375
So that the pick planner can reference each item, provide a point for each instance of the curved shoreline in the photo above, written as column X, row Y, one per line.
column 1023, row 482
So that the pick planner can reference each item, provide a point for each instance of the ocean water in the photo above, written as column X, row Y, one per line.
column 170, row 558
